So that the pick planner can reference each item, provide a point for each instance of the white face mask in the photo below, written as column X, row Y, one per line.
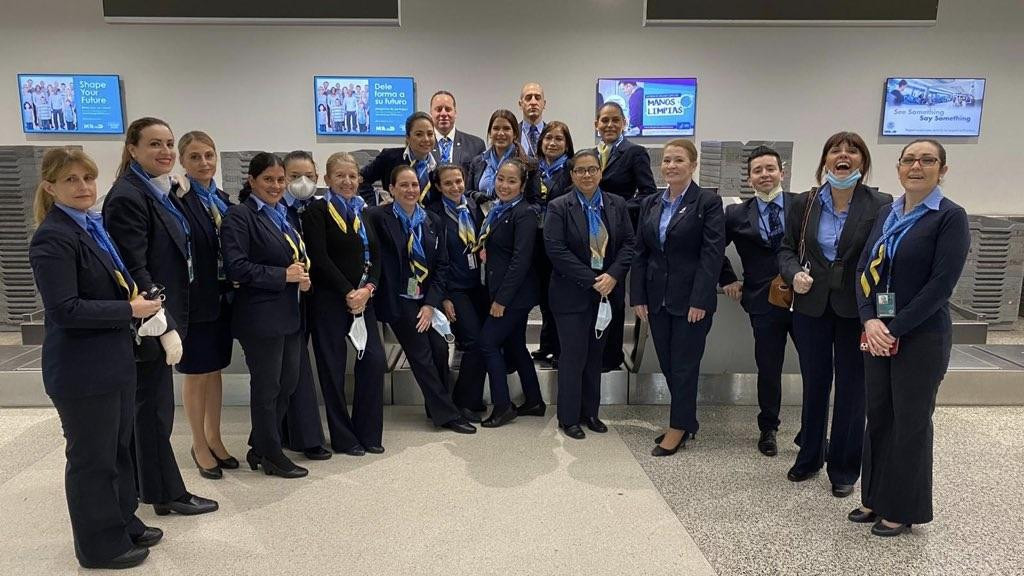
column 162, row 182
column 604, row 317
column 440, row 323
column 357, row 335
column 302, row 188
column 156, row 325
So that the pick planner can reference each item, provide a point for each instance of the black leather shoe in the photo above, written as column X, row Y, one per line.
column 318, row 453
column 842, row 490
column 284, row 468
column 470, row 415
column 229, row 463
column 500, row 417
column 861, row 516
column 186, row 505
column 767, row 443
column 537, row 409
column 659, row 438
column 795, row 475
column 880, row 529
column 253, row 459
column 353, row 450
column 575, row 432
column 460, row 426
column 596, row 425
column 149, row 537
column 375, row 449
column 658, row 451
column 214, row 473
column 133, row 557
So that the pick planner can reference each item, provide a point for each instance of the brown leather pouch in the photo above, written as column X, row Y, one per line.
column 779, row 293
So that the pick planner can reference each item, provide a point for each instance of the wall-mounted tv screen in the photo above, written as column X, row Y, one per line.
column 362, row 105
column 71, row 103
column 653, row 106
column 933, row 106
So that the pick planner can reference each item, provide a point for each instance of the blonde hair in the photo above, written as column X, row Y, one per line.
column 685, row 144
column 56, row 163
column 341, row 158
column 194, row 136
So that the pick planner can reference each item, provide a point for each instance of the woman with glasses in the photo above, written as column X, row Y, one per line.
column 589, row 239
column 909, row 268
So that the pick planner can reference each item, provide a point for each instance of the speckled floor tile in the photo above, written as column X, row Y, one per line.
column 748, row 519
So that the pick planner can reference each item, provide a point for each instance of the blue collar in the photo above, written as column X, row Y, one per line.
column 80, row 217
column 931, row 201
column 825, row 195
column 665, row 201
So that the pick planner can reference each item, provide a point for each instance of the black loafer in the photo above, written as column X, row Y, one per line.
column 537, row 409
column 596, row 425
column 767, row 443
column 318, row 453
column 795, row 475
column 470, row 415
column 880, row 529
column 375, row 449
column 283, row 468
column 187, row 505
column 460, row 426
column 842, row 490
column 353, row 450
column 860, row 516
column 575, row 432
column 149, row 537
column 500, row 417
column 133, row 557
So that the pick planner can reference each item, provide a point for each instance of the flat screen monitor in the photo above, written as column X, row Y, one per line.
column 362, row 105
column 71, row 103
column 933, row 106
column 653, row 106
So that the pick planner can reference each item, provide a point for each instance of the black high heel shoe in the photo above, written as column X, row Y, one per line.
column 271, row 468
column 880, row 529
column 229, row 463
column 658, row 451
column 861, row 516
column 214, row 473
column 253, row 459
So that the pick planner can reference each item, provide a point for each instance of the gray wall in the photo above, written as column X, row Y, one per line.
column 250, row 87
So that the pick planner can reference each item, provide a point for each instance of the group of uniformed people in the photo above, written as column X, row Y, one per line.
column 458, row 244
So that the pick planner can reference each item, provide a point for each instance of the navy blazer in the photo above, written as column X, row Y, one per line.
column 531, row 193
column 559, row 184
column 460, row 276
column 760, row 262
column 154, row 249
column 205, row 291
column 567, row 241
column 394, row 261
column 928, row 264
column 338, row 256
column 465, row 147
column 864, row 206
column 628, row 173
column 511, row 277
column 684, row 273
column 256, row 258
column 88, row 346
column 380, row 171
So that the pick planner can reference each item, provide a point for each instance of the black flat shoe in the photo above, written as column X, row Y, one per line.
column 129, row 559
column 470, row 415
column 596, row 425
column 795, row 475
column 285, row 469
column 318, row 453
column 353, row 450
column 186, row 505
column 214, row 473
column 860, row 516
column 229, row 463
column 149, row 537
column 842, row 490
column 575, row 432
column 500, row 418
column 460, row 426
column 767, row 443
column 375, row 449
column 537, row 409
column 880, row 529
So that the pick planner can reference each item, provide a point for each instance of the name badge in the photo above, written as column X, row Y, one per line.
column 471, row 260
column 191, row 271
column 885, row 304
column 413, row 288
column 596, row 262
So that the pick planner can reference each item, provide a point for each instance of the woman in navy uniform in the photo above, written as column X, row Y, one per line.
column 414, row 264
column 90, row 300
column 589, row 239
column 207, row 348
column 680, row 242
column 908, row 270
column 265, row 256
column 347, row 273
column 504, row 139
column 825, row 234
column 506, row 252
column 417, row 152
column 147, row 223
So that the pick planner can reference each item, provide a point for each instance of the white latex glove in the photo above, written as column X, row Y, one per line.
column 155, row 325
column 172, row 347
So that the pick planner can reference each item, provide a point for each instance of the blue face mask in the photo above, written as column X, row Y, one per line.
column 843, row 183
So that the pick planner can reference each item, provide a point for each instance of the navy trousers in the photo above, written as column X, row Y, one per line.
column 273, row 375
column 427, row 353
column 159, row 477
column 471, row 308
column 680, row 348
column 770, row 332
column 301, row 429
column 509, row 333
column 579, row 369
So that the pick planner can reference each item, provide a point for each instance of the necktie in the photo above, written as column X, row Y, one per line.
column 596, row 228
column 121, row 274
column 605, row 151
column 446, row 149
column 533, row 139
column 774, row 226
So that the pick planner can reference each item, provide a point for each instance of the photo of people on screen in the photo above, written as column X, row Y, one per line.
column 48, row 104
column 948, row 92
column 343, row 106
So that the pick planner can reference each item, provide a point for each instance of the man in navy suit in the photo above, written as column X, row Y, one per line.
column 757, row 226
column 532, row 103
column 451, row 146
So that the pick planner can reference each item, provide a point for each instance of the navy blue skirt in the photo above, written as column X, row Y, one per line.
column 207, row 347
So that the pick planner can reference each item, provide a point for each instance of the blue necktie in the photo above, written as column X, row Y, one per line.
column 534, row 134
column 446, row 149
column 774, row 226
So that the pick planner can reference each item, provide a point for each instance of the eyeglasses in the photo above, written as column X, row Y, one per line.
column 586, row 170
column 926, row 161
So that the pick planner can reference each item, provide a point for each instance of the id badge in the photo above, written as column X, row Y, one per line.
column 471, row 260
column 220, row 269
column 885, row 305
column 191, row 271
column 413, row 288
column 596, row 262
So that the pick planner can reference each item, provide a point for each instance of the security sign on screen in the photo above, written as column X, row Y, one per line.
column 653, row 106
column 933, row 106
column 362, row 106
column 72, row 103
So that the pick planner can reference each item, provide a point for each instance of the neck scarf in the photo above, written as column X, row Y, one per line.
column 413, row 226
column 497, row 211
column 491, row 169
column 94, row 225
column 460, row 213
column 894, row 228
column 596, row 227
